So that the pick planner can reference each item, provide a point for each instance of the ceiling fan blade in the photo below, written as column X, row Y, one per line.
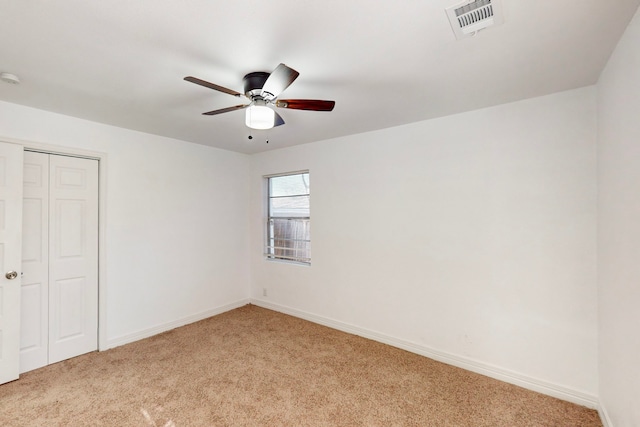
column 278, row 120
column 306, row 104
column 212, row 86
column 278, row 81
column 225, row 110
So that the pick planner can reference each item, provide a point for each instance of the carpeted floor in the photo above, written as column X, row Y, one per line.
column 256, row 367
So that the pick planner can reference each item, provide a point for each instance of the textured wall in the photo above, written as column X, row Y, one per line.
column 176, row 219
column 619, row 231
column 473, row 235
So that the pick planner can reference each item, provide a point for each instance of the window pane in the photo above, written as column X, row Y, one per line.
column 288, row 225
column 294, row 206
column 290, row 185
column 290, row 239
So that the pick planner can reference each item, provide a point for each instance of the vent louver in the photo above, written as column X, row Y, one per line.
column 472, row 16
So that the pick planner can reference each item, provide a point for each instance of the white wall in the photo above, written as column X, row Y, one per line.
column 176, row 220
column 619, row 231
column 471, row 236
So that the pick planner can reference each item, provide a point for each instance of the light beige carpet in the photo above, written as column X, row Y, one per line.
column 256, row 367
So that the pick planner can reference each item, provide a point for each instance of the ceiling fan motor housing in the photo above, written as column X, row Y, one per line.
column 254, row 82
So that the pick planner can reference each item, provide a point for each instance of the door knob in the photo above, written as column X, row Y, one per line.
column 11, row 275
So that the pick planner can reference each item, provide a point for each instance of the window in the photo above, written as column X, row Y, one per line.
column 288, row 218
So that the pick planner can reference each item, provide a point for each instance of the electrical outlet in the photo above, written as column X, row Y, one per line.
column 264, row 292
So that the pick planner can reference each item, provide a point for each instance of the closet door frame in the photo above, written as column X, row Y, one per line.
column 101, row 157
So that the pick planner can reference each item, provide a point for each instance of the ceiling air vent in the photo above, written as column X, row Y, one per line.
column 472, row 16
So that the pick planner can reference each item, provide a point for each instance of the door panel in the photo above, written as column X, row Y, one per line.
column 71, row 301
column 11, row 164
column 32, row 313
column 72, row 225
column 34, row 345
column 73, row 257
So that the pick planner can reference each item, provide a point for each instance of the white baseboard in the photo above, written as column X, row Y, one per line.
column 146, row 333
column 604, row 416
column 486, row 369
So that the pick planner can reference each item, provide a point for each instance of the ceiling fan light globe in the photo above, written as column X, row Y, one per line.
column 259, row 117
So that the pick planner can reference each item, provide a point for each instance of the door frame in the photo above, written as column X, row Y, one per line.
column 101, row 157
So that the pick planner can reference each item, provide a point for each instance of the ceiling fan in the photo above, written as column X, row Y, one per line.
column 262, row 90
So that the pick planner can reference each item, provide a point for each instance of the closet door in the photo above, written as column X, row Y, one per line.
column 59, row 304
column 34, row 308
column 73, row 257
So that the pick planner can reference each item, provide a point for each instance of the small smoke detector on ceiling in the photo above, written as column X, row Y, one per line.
column 472, row 16
column 9, row 78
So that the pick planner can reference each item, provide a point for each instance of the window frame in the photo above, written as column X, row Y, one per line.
column 269, row 248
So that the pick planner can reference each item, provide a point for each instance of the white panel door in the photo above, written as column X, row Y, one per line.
column 10, row 253
column 73, row 257
column 34, row 309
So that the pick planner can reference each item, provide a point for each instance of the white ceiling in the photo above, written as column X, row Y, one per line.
column 384, row 63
